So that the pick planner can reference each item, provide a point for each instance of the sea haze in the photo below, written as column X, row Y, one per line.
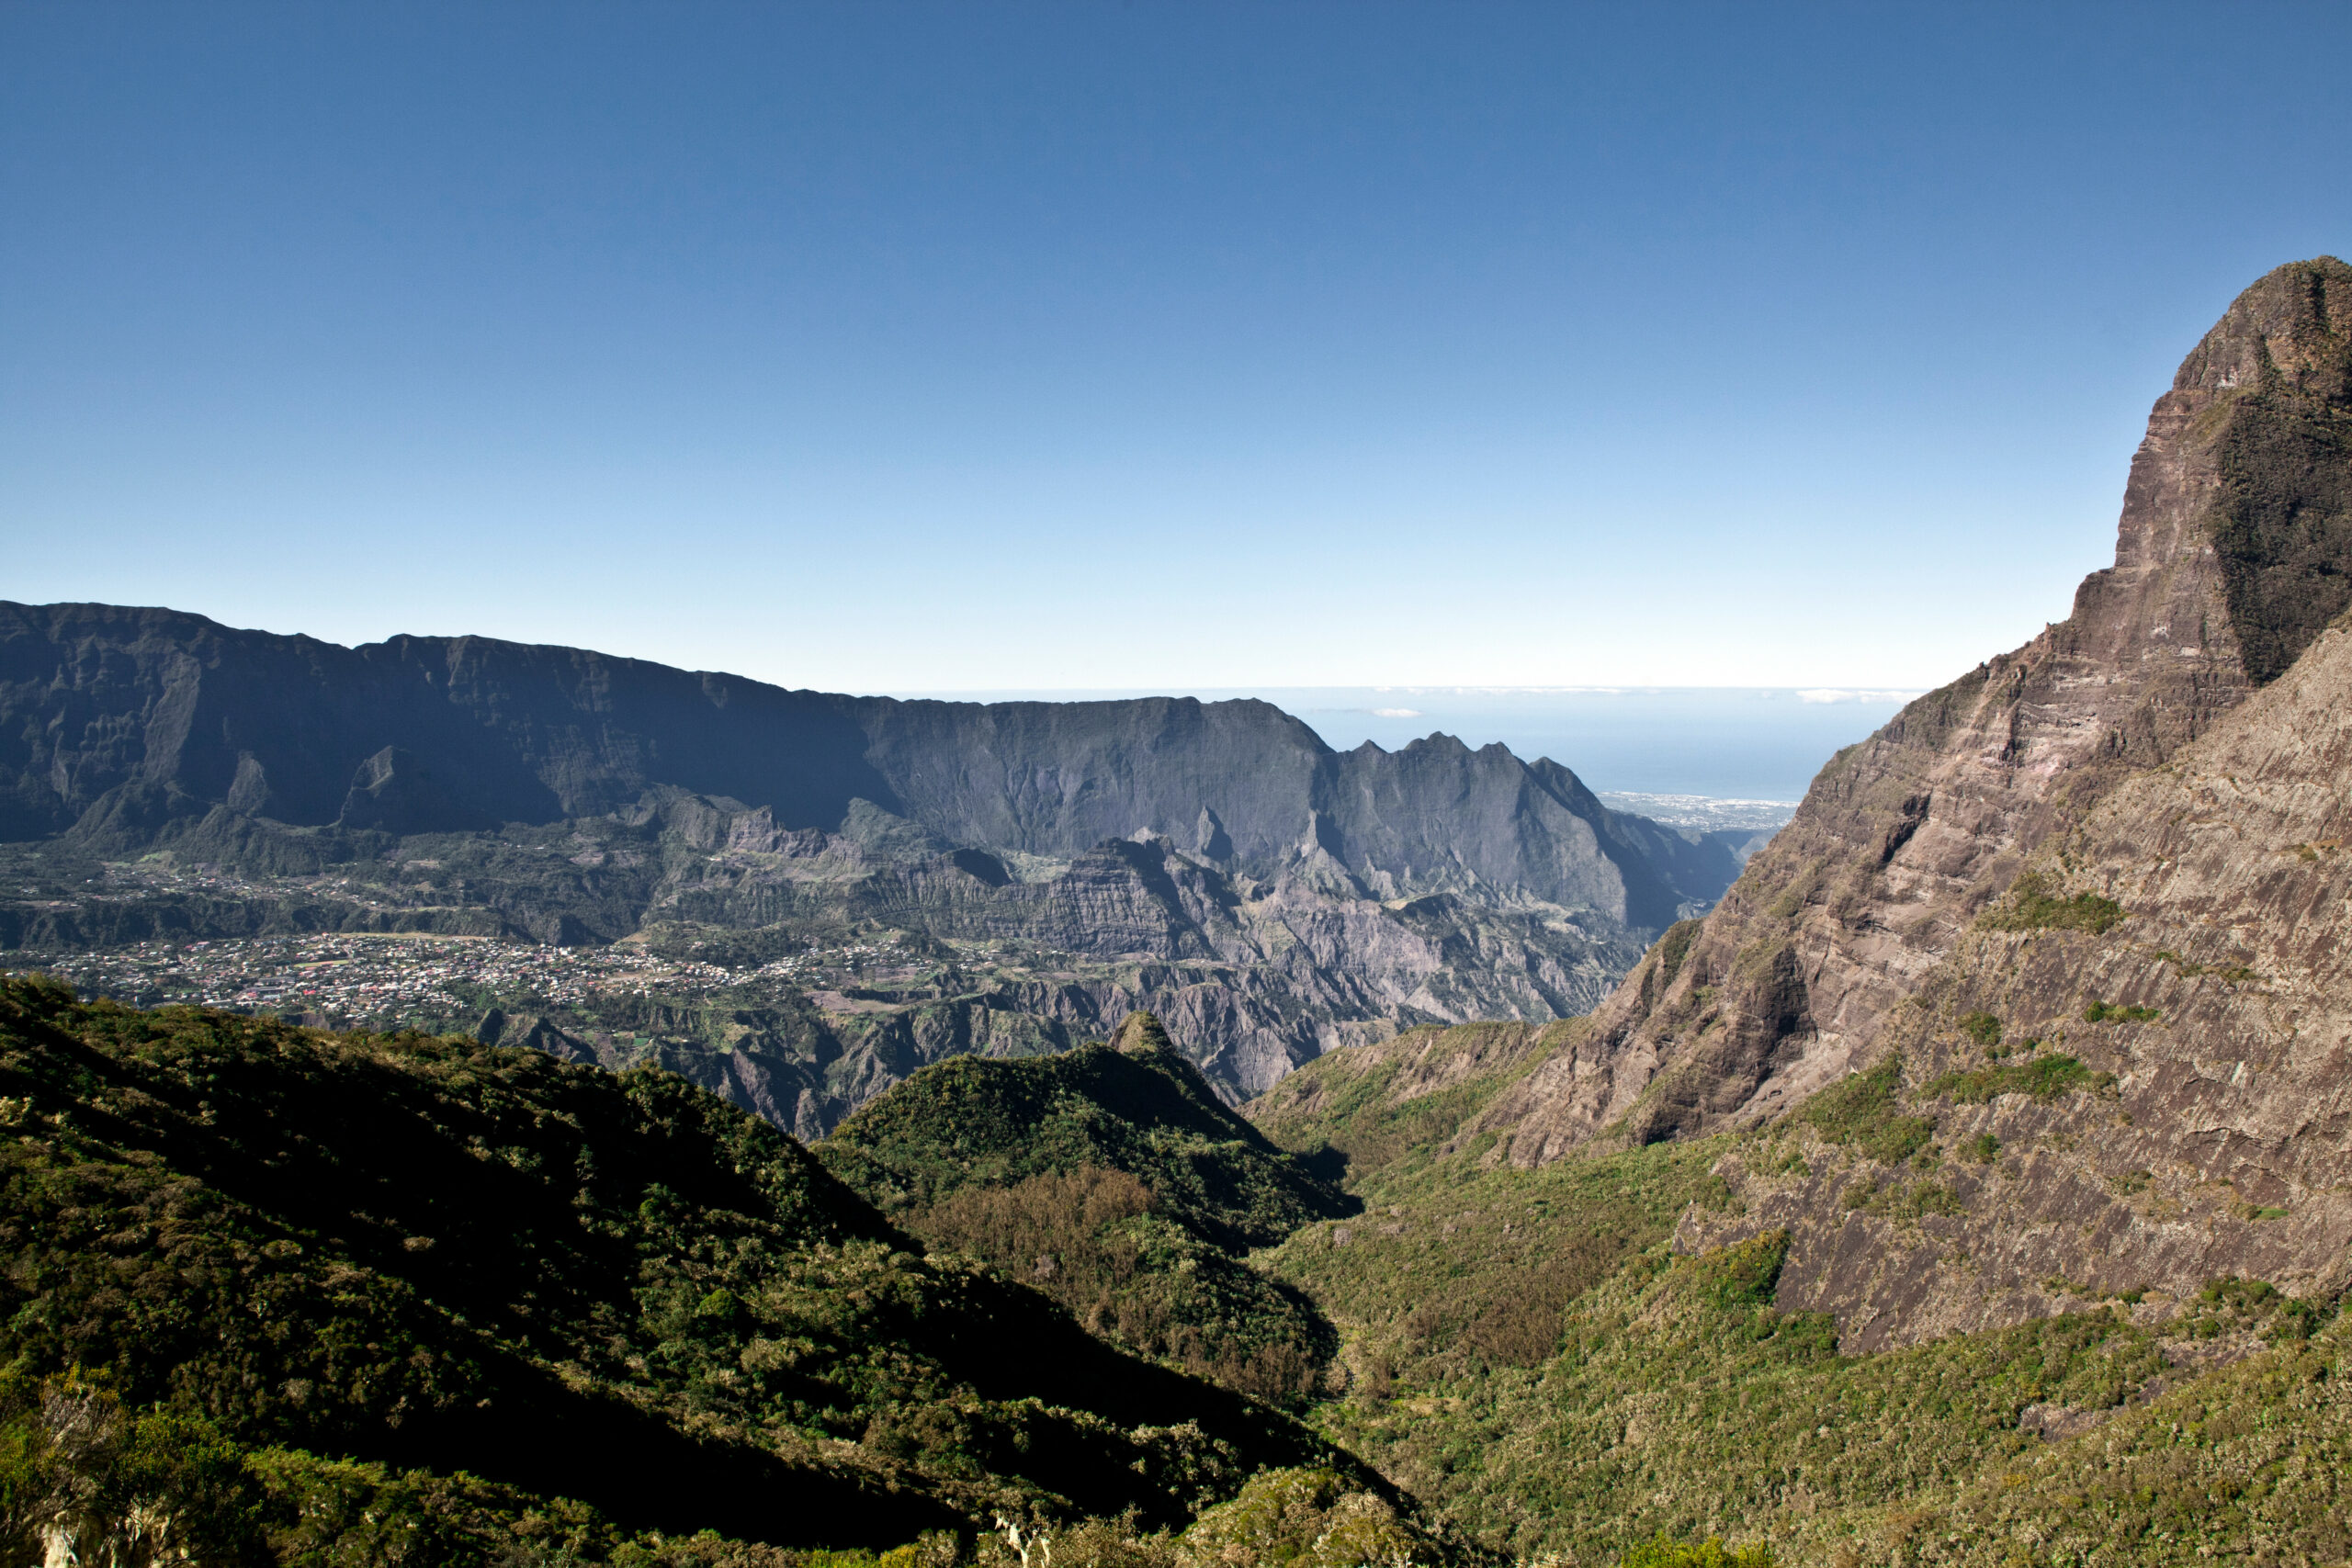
column 1720, row 743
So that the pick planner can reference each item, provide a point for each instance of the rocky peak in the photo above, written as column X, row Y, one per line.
column 2235, row 547
column 2288, row 331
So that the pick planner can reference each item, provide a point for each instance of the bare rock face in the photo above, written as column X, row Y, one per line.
column 2233, row 551
column 1250, row 977
column 2132, row 1078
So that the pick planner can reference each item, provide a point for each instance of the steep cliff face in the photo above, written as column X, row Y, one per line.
column 2132, row 1075
column 116, row 724
column 2235, row 547
column 1251, row 978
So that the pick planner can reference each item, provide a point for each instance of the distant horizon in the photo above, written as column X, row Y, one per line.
column 1716, row 743
column 1049, row 693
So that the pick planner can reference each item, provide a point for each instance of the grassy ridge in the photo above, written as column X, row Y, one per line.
column 1364, row 1109
column 1135, row 1105
column 1113, row 1179
column 429, row 1255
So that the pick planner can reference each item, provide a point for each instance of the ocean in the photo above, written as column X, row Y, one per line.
column 1758, row 745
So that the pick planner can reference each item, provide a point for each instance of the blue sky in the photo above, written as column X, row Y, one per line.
column 889, row 347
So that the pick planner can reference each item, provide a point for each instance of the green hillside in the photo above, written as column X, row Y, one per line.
column 516, row 1302
column 1112, row 1179
column 1531, row 1353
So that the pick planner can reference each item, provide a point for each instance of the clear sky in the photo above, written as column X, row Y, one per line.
column 943, row 346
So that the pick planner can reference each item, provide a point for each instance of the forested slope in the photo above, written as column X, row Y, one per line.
column 434, row 1257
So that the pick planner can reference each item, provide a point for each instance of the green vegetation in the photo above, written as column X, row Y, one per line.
column 1455, row 1258
column 2096, row 1011
column 2236, row 974
column 155, row 1488
column 121, row 1487
column 72, row 1460
column 1136, row 1106
column 1981, row 1027
column 2044, row 1078
column 1677, row 1399
column 1114, row 1180
column 1474, row 1267
column 1369, row 1108
column 362, row 1300
column 1899, row 1199
column 486, row 1282
column 1526, row 1351
column 2228, row 1305
column 1865, row 1110
column 1660, row 1552
column 1673, row 949
column 1304, row 1518
column 2034, row 904
column 2248, row 1463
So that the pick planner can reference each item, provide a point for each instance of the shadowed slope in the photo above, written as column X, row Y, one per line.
column 1111, row 1178
column 614, row 1287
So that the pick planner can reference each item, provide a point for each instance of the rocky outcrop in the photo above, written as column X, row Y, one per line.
column 2234, row 548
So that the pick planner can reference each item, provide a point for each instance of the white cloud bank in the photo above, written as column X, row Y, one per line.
column 1851, row 694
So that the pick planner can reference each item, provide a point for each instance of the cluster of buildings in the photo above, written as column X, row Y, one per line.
column 384, row 981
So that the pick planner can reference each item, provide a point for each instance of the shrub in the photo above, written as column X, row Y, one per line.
column 1863, row 1110
column 1661, row 1552
column 1303, row 1518
column 2032, row 906
column 2044, row 1078
column 1981, row 1027
column 1673, row 947
column 2096, row 1011
column 1741, row 1277
column 114, row 1485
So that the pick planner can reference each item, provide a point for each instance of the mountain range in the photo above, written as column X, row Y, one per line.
column 166, row 779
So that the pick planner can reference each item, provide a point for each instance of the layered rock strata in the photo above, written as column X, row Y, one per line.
column 2233, row 549
column 2132, row 1078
